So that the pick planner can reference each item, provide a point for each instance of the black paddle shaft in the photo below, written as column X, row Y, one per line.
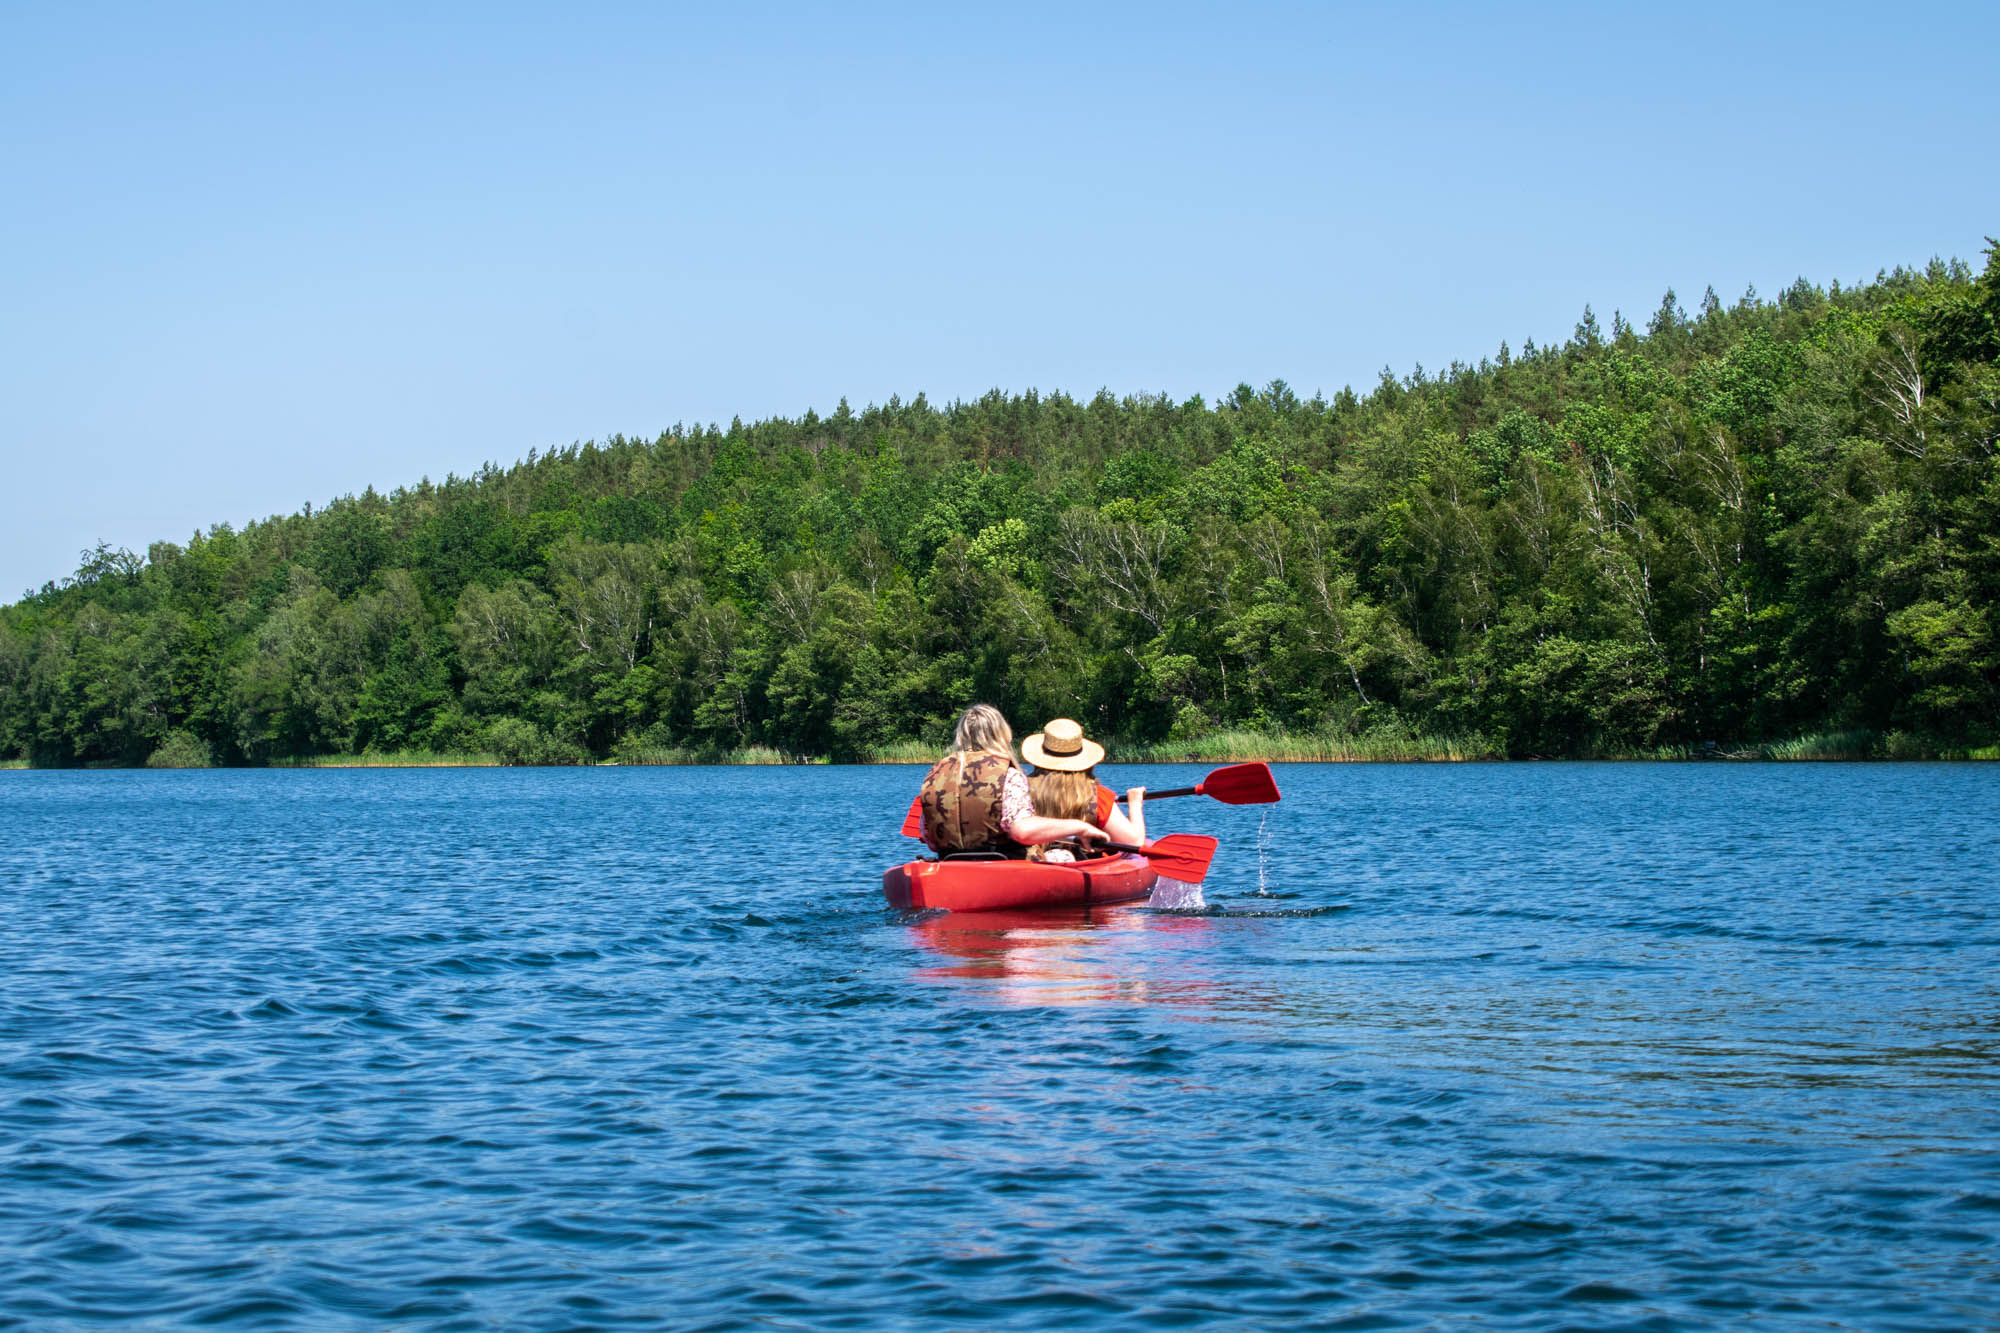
column 1173, row 791
column 1133, row 849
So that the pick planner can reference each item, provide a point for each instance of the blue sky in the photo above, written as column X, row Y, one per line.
column 254, row 256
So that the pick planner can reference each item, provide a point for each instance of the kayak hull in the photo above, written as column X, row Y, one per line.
column 1000, row 886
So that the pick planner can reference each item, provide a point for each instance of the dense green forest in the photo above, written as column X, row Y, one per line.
column 1737, row 525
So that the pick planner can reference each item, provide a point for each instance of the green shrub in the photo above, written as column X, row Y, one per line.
column 1906, row 745
column 1826, row 745
column 1385, row 743
column 182, row 749
column 516, row 741
column 902, row 752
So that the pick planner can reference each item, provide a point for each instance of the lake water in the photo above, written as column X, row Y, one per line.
column 1531, row 1046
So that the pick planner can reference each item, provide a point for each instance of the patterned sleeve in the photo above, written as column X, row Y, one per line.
column 1015, row 804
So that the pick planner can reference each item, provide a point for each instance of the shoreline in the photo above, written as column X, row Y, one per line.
column 1226, row 748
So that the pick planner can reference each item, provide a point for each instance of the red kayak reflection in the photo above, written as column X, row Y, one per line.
column 1082, row 955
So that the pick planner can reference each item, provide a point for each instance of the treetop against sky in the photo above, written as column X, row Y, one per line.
column 274, row 256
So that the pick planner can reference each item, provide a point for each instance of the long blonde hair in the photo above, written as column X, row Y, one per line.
column 983, row 729
column 1060, row 795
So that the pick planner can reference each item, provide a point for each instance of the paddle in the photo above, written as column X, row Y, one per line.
column 1238, row 784
column 1181, row 856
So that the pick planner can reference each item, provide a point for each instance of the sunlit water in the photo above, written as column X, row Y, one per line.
column 1594, row 1046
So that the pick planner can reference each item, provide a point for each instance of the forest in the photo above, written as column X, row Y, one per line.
column 1741, row 526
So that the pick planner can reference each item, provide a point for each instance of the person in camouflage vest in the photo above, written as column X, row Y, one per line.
column 975, row 799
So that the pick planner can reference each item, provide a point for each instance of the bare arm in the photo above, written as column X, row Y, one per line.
column 1033, row 830
column 1130, row 828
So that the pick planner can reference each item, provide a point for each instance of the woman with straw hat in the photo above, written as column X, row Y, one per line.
column 975, row 799
column 1065, row 786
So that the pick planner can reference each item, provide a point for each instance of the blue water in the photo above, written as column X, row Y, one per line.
column 1590, row 1046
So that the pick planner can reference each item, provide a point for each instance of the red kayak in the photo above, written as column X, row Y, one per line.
column 990, row 884
column 999, row 886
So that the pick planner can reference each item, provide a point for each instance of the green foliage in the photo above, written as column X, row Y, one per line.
column 517, row 741
column 1748, row 524
column 181, row 749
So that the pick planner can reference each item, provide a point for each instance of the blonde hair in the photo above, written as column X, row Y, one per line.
column 983, row 729
column 1060, row 795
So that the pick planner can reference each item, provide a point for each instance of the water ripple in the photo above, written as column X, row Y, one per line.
column 1594, row 1046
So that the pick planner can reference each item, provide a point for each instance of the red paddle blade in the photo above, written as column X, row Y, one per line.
column 1241, row 784
column 1182, row 856
column 913, row 823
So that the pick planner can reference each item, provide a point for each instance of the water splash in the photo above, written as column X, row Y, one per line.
column 1171, row 895
column 1264, row 855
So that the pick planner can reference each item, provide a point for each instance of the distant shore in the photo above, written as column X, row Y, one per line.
column 1229, row 747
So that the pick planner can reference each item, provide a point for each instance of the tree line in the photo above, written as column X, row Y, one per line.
column 1747, row 522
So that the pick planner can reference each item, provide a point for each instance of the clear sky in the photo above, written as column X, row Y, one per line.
column 253, row 256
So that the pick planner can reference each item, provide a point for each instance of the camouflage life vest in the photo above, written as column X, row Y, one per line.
column 961, row 800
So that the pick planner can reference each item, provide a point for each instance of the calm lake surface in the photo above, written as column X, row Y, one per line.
column 1518, row 1046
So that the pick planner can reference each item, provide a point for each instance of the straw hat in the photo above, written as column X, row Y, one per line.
column 1061, row 746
